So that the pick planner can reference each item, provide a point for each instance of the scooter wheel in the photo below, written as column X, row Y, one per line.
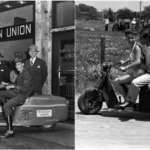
column 46, row 128
column 82, row 107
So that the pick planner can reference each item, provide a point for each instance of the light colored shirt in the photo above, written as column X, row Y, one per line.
column 33, row 60
column 147, row 56
column 106, row 21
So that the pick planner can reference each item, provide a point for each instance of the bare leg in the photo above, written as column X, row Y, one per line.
column 120, row 83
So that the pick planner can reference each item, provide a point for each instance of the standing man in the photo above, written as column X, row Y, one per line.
column 4, row 71
column 15, row 94
column 106, row 24
column 38, row 69
column 133, row 24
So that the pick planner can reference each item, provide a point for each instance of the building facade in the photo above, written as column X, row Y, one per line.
column 48, row 24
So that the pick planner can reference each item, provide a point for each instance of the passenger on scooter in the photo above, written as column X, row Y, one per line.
column 142, row 80
column 15, row 94
column 135, row 60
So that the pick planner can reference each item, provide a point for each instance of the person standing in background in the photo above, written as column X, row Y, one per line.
column 37, row 68
column 133, row 24
column 106, row 23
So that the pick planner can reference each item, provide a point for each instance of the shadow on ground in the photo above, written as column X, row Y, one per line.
column 122, row 115
column 125, row 115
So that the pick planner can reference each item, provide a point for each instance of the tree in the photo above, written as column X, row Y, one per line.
column 86, row 12
column 105, row 13
column 83, row 7
column 93, row 13
column 146, row 12
column 125, row 13
column 110, row 14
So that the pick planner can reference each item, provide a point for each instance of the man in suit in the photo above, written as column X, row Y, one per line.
column 15, row 94
column 37, row 68
column 4, row 71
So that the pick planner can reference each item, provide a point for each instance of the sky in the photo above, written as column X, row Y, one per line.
column 115, row 5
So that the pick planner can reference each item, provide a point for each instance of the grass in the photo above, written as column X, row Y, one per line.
column 88, row 52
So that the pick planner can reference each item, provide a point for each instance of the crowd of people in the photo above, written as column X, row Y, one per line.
column 124, row 24
column 16, row 86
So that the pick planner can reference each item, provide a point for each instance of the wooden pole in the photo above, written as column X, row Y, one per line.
column 140, row 8
column 102, row 50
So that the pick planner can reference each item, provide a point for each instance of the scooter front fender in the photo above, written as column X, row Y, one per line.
column 89, row 92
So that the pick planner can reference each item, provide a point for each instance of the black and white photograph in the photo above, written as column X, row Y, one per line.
column 37, row 74
column 112, row 105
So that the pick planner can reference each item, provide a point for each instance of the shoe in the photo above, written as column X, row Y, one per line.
column 7, row 135
column 129, row 108
column 120, row 106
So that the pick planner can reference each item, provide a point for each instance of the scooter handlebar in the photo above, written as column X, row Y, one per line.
column 115, row 65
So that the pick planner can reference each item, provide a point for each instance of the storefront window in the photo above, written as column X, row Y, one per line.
column 17, row 29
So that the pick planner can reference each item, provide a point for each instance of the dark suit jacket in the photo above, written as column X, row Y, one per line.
column 24, row 84
column 4, row 73
column 38, row 72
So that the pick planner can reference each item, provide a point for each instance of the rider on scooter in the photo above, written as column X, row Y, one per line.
column 134, row 68
column 142, row 80
column 15, row 94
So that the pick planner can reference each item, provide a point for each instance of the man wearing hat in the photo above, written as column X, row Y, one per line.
column 37, row 68
column 16, row 94
column 4, row 71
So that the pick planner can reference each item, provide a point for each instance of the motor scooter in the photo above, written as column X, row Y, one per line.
column 91, row 100
column 43, row 111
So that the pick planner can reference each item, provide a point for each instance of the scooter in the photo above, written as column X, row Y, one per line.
column 43, row 111
column 91, row 100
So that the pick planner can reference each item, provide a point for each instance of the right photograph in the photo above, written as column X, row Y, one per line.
column 112, row 99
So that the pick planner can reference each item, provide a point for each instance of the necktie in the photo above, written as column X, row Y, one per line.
column 31, row 62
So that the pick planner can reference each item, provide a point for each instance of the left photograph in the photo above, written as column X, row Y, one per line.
column 37, row 74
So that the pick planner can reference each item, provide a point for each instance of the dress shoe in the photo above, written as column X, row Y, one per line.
column 7, row 135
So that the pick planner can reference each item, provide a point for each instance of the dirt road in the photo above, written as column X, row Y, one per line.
column 112, row 130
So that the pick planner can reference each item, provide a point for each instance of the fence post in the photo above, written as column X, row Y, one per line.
column 102, row 49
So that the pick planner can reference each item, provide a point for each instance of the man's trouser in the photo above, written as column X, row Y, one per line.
column 12, row 100
column 135, row 86
column 106, row 27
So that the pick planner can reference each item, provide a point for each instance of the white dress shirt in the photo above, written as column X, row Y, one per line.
column 32, row 60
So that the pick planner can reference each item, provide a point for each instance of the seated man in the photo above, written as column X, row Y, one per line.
column 15, row 94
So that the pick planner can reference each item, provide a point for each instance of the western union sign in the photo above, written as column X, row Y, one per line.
column 17, row 31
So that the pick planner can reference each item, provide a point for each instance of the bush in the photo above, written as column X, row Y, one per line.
column 88, row 55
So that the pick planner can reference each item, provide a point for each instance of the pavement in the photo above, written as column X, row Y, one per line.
column 112, row 130
column 62, row 137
